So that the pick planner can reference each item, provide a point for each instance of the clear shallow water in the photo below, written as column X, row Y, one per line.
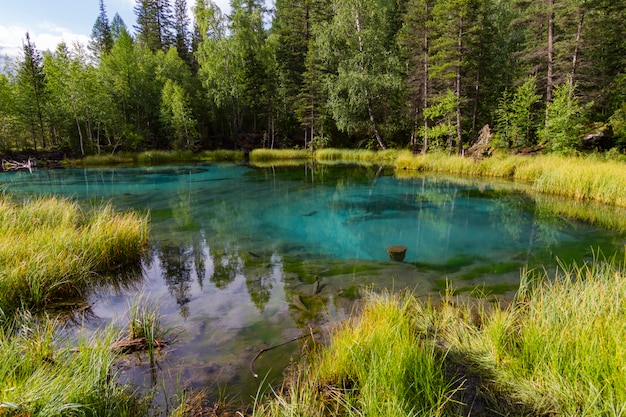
column 244, row 258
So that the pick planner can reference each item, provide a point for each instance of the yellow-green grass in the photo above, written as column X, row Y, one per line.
column 575, row 177
column 52, row 250
column 42, row 374
column 164, row 157
column 264, row 155
column 104, row 160
column 556, row 349
column 559, row 348
column 355, row 155
column 380, row 363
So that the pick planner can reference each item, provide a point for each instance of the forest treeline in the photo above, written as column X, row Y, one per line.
column 419, row 74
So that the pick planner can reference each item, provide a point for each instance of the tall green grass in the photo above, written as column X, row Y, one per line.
column 377, row 364
column 355, row 155
column 52, row 250
column 559, row 349
column 42, row 374
column 556, row 349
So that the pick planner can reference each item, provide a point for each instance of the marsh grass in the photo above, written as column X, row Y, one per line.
column 556, row 349
column 222, row 155
column 164, row 157
column 51, row 249
column 265, row 155
column 356, row 155
column 584, row 179
column 376, row 364
column 43, row 374
column 105, row 160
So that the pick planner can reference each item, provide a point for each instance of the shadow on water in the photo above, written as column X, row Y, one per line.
column 246, row 258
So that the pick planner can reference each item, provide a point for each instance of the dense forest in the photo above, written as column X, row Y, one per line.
column 419, row 74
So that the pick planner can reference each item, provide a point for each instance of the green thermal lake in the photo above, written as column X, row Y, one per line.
column 243, row 258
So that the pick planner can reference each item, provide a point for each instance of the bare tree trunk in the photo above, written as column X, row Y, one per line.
column 579, row 30
column 426, row 81
column 459, row 130
column 549, row 81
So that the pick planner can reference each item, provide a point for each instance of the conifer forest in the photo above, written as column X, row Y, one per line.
column 424, row 75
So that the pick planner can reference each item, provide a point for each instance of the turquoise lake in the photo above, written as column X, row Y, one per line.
column 243, row 258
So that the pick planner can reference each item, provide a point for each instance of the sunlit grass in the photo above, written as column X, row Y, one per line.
column 52, row 250
column 355, row 155
column 585, row 179
column 264, row 155
column 222, row 155
column 559, row 348
column 556, row 349
column 163, row 157
column 104, row 160
column 377, row 364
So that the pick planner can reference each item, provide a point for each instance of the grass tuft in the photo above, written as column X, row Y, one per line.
column 51, row 250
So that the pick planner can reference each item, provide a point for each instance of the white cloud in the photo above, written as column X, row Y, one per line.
column 45, row 35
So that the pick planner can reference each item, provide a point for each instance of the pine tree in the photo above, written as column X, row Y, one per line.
column 101, row 37
column 181, row 31
column 154, row 24
column 32, row 93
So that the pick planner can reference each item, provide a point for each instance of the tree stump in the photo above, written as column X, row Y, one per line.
column 396, row 252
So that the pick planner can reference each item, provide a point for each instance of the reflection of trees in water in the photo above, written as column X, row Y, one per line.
column 177, row 264
column 260, row 281
column 227, row 264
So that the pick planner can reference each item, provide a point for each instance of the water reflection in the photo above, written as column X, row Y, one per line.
column 244, row 258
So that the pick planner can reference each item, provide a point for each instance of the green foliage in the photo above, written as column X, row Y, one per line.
column 563, row 129
column 516, row 117
column 316, row 73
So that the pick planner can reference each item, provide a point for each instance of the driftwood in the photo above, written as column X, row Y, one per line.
column 9, row 165
column 482, row 147
column 262, row 351
column 136, row 345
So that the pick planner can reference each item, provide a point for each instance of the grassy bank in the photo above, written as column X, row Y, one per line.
column 51, row 250
column 160, row 157
column 556, row 350
column 582, row 178
column 585, row 179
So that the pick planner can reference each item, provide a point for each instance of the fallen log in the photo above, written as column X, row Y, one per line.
column 9, row 165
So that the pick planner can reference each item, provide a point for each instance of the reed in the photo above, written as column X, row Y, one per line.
column 264, row 155
column 51, row 250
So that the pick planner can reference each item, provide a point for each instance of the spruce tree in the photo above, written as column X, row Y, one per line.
column 101, row 37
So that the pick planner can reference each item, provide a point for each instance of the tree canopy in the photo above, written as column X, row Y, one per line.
column 421, row 74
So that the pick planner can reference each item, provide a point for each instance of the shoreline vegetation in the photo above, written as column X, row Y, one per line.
column 556, row 349
column 584, row 178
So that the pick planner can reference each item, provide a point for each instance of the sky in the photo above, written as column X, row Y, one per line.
column 51, row 21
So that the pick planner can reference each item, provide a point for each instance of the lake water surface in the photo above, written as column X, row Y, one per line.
column 243, row 258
